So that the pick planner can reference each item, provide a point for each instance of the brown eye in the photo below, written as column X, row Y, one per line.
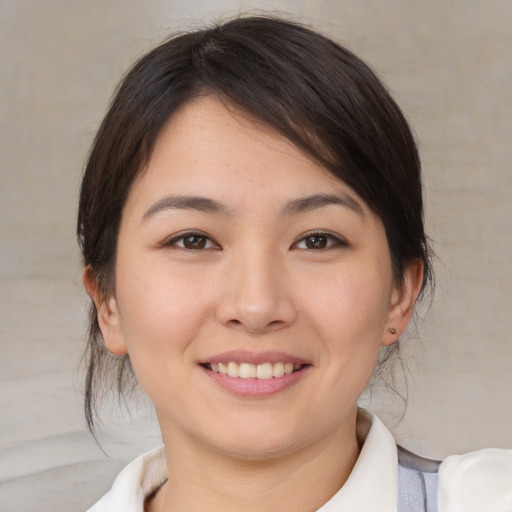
column 319, row 241
column 194, row 242
column 316, row 242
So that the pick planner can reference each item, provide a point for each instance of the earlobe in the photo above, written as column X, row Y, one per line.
column 107, row 311
column 402, row 302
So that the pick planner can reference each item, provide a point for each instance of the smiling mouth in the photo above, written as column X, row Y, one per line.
column 264, row 371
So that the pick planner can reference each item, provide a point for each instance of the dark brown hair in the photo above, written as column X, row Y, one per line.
column 316, row 93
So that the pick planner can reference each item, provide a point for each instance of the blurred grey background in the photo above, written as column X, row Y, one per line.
column 448, row 64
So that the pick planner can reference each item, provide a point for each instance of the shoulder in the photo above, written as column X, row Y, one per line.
column 476, row 481
column 473, row 482
column 136, row 481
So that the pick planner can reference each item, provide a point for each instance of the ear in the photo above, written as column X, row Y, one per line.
column 107, row 310
column 403, row 299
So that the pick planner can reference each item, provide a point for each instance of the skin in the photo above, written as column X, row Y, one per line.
column 259, row 283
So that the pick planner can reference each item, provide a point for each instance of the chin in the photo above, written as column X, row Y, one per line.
column 258, row 451
column 259, row 442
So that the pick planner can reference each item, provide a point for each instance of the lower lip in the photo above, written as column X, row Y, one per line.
column 257, row 388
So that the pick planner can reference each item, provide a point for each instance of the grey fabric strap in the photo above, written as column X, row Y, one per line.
column 417, row 490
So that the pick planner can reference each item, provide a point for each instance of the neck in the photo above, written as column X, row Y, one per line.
column 204, row 479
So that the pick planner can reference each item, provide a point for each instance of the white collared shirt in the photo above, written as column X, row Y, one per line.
column 371, row 487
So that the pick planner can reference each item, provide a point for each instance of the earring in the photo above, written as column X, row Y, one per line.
column 392, row 330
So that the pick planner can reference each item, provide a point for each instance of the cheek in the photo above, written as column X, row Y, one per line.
column 350, row 304
column 349, row 313
column 161, row 316
column 160, row 310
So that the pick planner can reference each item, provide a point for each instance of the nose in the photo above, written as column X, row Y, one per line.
column 256, row 295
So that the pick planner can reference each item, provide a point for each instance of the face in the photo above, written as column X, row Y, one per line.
column 238, row 254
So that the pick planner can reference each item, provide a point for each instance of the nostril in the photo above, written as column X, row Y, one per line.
column 254, row 326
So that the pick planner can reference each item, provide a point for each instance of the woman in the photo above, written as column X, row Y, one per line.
column 251, row 224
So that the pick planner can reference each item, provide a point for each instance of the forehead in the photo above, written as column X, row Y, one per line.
column 209, row 147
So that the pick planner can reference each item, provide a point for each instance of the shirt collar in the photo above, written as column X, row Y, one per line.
column 136, row 481
column 372, row 484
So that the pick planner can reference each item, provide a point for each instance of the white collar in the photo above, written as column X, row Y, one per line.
column 136, row 481
column 371, row 486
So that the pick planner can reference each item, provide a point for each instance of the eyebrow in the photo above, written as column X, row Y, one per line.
column 305, row 204
column 201, row 204
column 294, row 207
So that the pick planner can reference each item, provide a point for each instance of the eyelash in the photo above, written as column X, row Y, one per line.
column 174, row 241
column 331, row 241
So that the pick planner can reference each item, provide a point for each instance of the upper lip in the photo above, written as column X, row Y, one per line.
column 244, row 356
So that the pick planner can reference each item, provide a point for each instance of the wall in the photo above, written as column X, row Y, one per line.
column 448, row 65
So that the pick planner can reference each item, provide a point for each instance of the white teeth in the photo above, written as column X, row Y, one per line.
column 247, row 371
column 278, row 370
column 262, row 371
column 233, row 369
column 265, row 371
